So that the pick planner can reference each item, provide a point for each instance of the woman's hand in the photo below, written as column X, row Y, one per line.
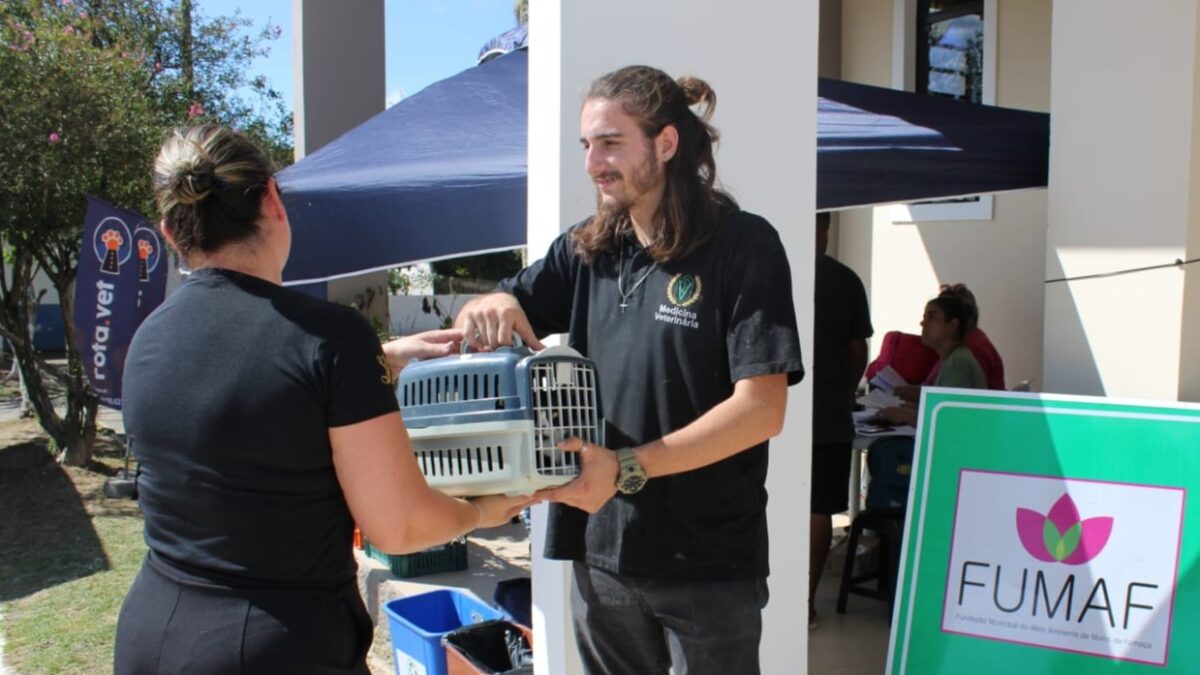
column 427, row 345
column 908, row 392
column 900, row 415
column 496, row 510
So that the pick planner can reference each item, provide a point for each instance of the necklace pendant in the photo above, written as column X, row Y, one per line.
column 624, row 306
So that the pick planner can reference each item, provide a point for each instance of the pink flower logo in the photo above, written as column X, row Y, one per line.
column 1061, row 535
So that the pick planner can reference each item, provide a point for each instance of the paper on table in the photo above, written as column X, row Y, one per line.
column 878, row 398
column 888, row 379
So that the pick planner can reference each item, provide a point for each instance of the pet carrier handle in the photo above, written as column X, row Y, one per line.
column 517, row 343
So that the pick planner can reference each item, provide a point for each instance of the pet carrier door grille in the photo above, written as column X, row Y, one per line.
column 491, row 422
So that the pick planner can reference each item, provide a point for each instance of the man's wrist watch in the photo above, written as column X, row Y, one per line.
column 631, row 477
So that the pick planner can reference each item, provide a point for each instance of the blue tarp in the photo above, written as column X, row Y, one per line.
column 876, row 146
column 442, row 173
column 439, row 174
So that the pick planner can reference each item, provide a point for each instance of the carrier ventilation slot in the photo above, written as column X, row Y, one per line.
column 461, row 461
column 450, row 389
column 564, row 405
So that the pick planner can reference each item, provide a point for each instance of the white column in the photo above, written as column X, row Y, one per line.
column 760, row 56
column 339, row 59
column 1123, row 110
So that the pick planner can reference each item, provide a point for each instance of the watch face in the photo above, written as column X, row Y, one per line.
column 631, row 483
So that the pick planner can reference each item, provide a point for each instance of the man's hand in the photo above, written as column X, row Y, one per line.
column 427, row 345
column 597, row 480
column 489, row 321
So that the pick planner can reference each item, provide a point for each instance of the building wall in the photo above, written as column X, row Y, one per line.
column 767, row 158
column 1121, row 172
column 1189, row 366
column 1000, row 259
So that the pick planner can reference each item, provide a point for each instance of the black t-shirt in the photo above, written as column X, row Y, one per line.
column 691, row 329
column 230, row 388
column 840, row 314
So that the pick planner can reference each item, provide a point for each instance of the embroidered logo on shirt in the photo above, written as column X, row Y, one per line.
column 684, row 289
column 386, row 378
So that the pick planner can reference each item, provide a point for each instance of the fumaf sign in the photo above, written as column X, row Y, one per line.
column 1049, row 534
column 120, row 280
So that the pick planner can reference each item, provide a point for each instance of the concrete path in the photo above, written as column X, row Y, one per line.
column 493, row 556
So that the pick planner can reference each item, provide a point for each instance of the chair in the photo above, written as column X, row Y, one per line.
column 889, row 461
column 888, row 524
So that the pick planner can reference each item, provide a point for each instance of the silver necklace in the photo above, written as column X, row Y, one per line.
column 625, row 296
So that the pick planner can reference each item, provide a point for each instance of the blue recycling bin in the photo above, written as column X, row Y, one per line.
column 418, row 623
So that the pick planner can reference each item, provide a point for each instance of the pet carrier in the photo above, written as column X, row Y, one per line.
column 490, row 422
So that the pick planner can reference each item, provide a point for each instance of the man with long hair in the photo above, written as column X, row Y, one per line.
column 684, row 303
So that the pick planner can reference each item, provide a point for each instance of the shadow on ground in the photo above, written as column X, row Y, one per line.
column 46, row 532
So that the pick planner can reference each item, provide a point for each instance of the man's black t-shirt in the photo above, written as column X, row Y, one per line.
column 691, row 329
column 840, row 315
column 230, row 388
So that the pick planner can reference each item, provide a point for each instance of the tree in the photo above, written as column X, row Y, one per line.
column 88, row 90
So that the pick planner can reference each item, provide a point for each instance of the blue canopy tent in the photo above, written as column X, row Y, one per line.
column 876, row 146
column 442, row 173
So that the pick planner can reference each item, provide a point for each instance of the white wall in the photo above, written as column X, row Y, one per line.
column 760, row 56
column 1001, row 258
column 1121, row 169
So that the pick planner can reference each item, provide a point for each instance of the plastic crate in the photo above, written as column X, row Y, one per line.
column 450, row 557
column 488, row 423
column 418, row 623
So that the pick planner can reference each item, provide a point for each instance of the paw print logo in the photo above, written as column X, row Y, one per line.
column 113, row 245
column 149, row 250
column 145, row 248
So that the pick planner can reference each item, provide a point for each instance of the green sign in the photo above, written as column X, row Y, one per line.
column 1050, row 534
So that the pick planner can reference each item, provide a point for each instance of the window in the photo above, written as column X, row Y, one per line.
column 950, row 49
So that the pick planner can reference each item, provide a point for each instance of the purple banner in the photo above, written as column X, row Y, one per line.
column 122, row 277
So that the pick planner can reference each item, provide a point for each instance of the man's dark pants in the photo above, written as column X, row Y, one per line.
column 630, row 626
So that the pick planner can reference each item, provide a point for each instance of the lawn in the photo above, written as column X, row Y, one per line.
column 67, row 557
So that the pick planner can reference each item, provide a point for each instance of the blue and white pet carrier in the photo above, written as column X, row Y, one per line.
column 490, row 422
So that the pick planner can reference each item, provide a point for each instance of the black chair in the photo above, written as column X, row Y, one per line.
column 888, row 525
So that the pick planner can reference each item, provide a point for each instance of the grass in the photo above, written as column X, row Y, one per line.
column 68, row 556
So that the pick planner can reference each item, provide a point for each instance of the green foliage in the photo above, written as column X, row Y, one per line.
column 88, row 90
column 490, row 267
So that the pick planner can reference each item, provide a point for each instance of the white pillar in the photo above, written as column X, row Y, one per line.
column 760, row 56
column 339, row 58
column 1123, row 115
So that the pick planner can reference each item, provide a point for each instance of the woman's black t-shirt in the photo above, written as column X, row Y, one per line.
column 230, row 388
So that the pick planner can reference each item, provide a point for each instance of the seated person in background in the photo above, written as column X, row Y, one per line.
column 944, row 329
column 976, row 340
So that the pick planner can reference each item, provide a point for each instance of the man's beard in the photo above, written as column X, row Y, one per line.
column 643, row 178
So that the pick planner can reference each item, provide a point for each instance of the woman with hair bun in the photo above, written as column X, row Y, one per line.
column 265, row 425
